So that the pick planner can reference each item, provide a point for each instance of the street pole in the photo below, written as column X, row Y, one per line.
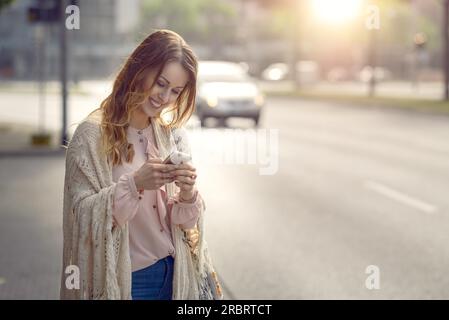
column 372, row 62
column 41, row 60
column 295, row 63
column 63, row 71
column 446, row 49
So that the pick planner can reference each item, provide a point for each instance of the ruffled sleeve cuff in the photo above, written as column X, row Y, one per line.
column 126, row 199
column 186, row 214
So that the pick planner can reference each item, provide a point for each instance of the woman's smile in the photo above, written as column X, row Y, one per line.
column 154, row 104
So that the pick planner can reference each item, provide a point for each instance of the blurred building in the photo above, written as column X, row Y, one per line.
column 105, row 38
column 257, row 32
column 109, row 31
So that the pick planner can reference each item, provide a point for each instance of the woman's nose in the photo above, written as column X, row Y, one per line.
column 164, row 95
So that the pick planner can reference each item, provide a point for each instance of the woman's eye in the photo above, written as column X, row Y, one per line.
column 176, row 92
column 160, row 84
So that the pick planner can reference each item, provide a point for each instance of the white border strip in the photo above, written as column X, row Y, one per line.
column 400, row 197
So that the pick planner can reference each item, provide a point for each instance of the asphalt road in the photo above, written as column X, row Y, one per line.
column 354, row 187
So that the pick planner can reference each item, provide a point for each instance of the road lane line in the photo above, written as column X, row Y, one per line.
column 401, row 197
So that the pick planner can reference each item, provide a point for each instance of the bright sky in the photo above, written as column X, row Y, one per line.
column 337, row 11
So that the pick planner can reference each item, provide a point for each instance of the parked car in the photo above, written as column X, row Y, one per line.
column 380, row 73
column 307, row 71
column 226, row 90
column 337, row 74
column 275, row 72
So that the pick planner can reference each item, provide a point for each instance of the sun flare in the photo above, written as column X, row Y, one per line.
column 337, row 11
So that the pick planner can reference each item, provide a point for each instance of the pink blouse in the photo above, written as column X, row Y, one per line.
column 150, row 214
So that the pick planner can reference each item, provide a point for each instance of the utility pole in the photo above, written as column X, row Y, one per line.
column 294, row 63
column 372, row 62
column 372, row 23
column 446, row 48
column 63, row 70
column 42, row 13
column 41, row 33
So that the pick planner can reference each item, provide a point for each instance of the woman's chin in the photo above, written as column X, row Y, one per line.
column 149, row 110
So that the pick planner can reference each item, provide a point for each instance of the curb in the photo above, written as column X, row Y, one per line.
column 29, row 152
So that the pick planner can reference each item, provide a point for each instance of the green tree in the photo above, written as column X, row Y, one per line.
column 5, row 3
column 202, row 20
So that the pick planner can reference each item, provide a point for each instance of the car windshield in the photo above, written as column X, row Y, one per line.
column 221, row 71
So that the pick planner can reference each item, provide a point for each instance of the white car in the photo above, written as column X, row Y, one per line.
column 226, row 90
column 307, row 72
column 381, row 74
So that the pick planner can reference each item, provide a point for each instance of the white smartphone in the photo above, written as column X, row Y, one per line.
column 177, row 157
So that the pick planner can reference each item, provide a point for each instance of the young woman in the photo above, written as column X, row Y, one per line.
column 132, row 224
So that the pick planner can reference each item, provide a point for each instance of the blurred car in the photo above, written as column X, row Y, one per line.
column 380, row 74
column 337, row 74
column 275, row 72
column 306, row 70
column 226, row 90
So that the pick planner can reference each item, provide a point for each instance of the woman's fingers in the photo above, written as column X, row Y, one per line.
column 165, row 167
column 163, row 176
column 161, row 182
column 184, row 186
column 186, row 166
column 183, row 167
column 156, row 164
column 187, row 180
column 167, row 175
column 153, row 174
column 186, row 173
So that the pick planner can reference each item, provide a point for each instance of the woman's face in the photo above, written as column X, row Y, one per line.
column 166, row 88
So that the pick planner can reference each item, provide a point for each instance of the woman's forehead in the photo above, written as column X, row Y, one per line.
column 175, row 74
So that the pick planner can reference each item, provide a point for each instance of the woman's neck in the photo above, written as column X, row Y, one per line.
column 139, row 121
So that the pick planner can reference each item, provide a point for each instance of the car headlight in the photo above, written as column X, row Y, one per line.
column 212, row 101
column 259, row 100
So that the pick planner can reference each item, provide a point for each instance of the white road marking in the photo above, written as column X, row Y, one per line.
column 401, row 197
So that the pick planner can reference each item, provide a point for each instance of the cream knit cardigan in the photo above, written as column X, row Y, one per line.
column 100, row 251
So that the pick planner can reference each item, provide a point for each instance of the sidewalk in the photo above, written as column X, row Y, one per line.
column 386, row 89
column 16, row 140
column 54, row 87
column 424, row 97
column 31, row 226
column 20, row 112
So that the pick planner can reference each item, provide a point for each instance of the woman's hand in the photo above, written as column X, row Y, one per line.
column 185, row 177
column 153, row 174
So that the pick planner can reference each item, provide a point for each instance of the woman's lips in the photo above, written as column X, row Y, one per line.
column 154, row 104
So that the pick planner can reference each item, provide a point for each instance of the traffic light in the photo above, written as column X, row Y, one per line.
column 33, row 14
column 420, row 40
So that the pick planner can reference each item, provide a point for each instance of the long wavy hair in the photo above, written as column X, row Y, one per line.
column 128, row 92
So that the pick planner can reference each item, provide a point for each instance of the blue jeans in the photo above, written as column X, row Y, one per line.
column 154, row 282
